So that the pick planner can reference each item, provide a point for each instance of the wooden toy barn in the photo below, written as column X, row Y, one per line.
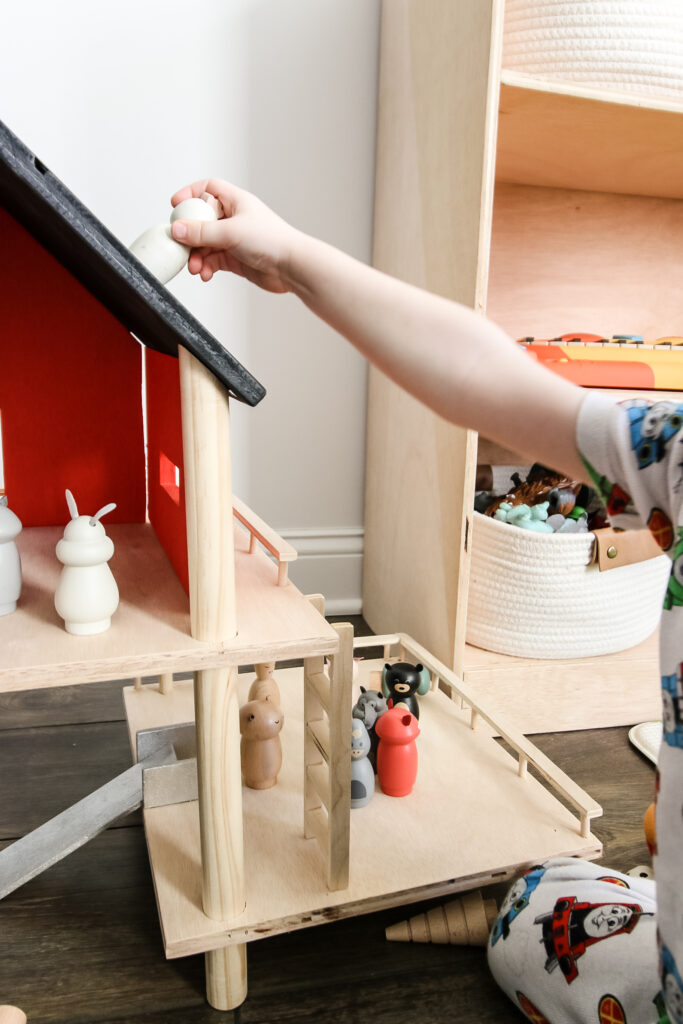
column 111, row 389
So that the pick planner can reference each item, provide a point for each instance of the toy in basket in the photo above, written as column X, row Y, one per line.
column 547, row 595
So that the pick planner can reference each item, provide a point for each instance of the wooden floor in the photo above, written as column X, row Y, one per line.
column 81, row 942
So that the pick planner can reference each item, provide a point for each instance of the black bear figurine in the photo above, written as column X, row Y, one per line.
column 400, row 684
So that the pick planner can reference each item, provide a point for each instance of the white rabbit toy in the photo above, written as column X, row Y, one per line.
column 87, row 595
column 10, row 563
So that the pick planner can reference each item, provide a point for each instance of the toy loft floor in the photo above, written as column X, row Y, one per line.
column 81, row 942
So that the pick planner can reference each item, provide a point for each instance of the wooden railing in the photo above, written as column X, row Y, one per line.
column 267, row 537
column 527, row 753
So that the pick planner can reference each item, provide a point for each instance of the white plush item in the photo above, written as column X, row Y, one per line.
column 535, row 595
column 621, row 45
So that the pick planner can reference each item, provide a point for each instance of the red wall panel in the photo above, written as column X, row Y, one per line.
column 70, row 391
column 165, row 454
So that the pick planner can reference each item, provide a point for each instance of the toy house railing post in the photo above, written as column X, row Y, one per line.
column 340, row 763
column 211, row 563
column 327, row 742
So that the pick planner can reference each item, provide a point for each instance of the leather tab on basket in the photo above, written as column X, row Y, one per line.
column 623, row 547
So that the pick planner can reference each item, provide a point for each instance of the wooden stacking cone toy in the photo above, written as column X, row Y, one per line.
column 465, row 921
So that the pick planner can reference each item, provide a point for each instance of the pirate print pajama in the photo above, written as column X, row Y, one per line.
column 574, row 941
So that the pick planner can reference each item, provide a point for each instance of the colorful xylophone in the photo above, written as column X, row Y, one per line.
column 622, row 361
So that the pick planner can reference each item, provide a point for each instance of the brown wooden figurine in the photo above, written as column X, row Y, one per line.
column 265, row 685
column 260, row 747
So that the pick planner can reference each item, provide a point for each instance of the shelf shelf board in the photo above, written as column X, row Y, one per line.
column 538, row 695
column 150, row 631
column 564, row 136
column 402, row 850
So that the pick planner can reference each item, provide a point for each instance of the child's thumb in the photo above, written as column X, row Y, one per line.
column 198, row 233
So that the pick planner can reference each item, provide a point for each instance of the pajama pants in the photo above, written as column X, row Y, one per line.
column 576, row 943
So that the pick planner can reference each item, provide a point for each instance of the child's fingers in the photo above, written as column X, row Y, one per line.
column 226, row 194
column 206, row 263
column 193, row 191
column 199, row 233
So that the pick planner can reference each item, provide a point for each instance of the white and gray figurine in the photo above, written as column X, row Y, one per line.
column 87, row 595
column 158, row 250
column 10, row 563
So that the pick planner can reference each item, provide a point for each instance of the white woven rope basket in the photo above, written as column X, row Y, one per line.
column 622, row 45
column 536, row 595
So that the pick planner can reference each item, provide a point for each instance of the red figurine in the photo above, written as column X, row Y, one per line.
column 397, row 752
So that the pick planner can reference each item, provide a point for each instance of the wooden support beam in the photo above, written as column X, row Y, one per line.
column 319, row 778
column 211, row 569
column 319, row 732
column 313, row 713
column 166, row 682
column 340, row 759
column 319, row 683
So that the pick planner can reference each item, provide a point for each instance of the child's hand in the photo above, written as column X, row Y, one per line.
column 248, row 239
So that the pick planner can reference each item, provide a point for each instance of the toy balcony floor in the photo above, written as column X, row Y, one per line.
column 474, row 816
column 150, row 632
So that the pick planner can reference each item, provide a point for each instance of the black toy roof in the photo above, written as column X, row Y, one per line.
column 68, row 230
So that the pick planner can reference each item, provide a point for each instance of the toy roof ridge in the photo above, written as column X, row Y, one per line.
column 70, row 232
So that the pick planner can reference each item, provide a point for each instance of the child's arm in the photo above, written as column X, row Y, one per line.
column 449, row 357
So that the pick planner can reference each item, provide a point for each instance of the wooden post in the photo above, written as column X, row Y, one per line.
column 340, row 762
column 166, row 682
column 211, row 565
column 312, row 712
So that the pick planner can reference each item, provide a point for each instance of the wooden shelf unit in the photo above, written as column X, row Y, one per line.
column 552, row 208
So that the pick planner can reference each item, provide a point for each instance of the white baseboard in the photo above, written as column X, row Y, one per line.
column 330, row 562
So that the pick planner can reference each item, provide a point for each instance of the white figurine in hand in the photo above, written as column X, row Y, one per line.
column 159, row 251
column 10, row 563
column 87, row 595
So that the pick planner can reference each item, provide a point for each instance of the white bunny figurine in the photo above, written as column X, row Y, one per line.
column 87, row 595
column 10, row 563
column 158, row 250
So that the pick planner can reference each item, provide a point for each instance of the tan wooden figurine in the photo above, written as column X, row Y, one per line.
column 260, row 747
column 465, row 921
column 265, row 685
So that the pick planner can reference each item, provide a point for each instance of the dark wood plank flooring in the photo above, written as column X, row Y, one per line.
column 81, row 942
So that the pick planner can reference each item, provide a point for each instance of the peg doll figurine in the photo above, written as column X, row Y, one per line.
column 86, row 595
column 261, row 750
column 158, row 250
column 362, row 775
column 370, row 706
column 10, row 563
column 397, row 753
column 402, row 682
column 265, row 687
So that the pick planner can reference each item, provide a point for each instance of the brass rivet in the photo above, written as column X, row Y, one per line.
column 612, row 551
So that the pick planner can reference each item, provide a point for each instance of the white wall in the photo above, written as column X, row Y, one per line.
column 128, row 101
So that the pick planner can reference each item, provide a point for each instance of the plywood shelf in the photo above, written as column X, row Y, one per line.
column 563, row 136
column 150, row 632
column 566, row 260
column 402, row 850
column 538, row 695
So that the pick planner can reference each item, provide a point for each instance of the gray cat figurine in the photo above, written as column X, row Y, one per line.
column 362, row 775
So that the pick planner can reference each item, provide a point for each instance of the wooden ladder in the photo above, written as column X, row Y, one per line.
column 327, row 753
